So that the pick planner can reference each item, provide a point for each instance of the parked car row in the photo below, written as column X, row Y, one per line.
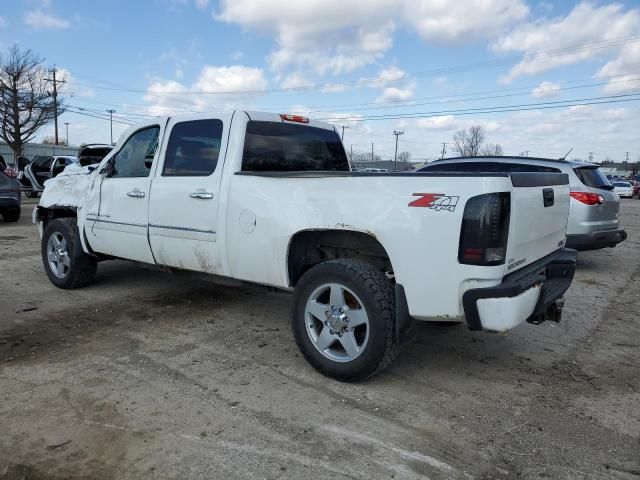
column 33, row 173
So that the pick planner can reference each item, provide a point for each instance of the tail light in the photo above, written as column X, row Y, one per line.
column 10, row 172
column 294, row 118
column 485, row 229
column 588, row 198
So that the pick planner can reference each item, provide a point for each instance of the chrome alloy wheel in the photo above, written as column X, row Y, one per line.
column 58, row 255
column 336, row 322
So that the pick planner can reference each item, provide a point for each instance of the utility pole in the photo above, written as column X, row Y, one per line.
column 342, row 138
column 55, row 103
column 66, row 124
column 444, row 149
column 111, row 112
column 397, row 133
column 591, row 156
column 371, row 152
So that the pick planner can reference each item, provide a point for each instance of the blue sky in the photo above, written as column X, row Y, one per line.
column 424, row 60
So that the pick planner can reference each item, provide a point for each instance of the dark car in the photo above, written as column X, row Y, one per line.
column 92, row 153
column 9, row 194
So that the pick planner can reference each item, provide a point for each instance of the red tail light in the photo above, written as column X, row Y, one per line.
column 588, row 198
column 485, row 229
column 294, row 118
column 10, row 172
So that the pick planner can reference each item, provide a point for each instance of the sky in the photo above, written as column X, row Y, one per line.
column 561, row 74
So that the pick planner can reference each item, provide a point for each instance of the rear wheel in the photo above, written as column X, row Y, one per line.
column 32, row 194
column 11, row 215
column 343, row 319
column 66, row 266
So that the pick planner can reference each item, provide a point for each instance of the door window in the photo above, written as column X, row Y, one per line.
column 193, row 149
column 136, row 156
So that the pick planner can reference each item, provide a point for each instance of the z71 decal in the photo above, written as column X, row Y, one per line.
column 435, row 201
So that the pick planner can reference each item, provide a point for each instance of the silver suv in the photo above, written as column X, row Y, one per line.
column 593, row 217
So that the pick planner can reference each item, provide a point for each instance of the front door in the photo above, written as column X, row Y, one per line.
column 117, row 212
column 183, row 215
column 39, row 171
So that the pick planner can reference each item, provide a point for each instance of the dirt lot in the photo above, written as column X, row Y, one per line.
column 149, row 375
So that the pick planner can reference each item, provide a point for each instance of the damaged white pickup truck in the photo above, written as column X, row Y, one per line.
column 271, row 199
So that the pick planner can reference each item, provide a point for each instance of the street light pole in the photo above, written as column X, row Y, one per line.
column 395, row 157
column 111, row 112
column 66, row 124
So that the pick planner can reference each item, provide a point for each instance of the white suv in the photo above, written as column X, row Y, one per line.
column 593, row 218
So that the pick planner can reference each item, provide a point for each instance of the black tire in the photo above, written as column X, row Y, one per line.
column 11, row 215
column 82, row 268
column 376, row 293
column 32, row 194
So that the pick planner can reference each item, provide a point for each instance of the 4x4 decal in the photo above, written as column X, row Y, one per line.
column 435, row 201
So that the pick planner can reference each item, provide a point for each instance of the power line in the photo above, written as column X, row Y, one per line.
column 495, row 109
column 380, row 78
column 98, row 116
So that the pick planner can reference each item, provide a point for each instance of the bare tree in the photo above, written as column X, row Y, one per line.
column 404, row 157
column 468, row 143
column 26, row 102
column 492, row 150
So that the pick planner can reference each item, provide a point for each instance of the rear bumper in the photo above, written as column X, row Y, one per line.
column 9, row 201
column 596, row 240
column 532, row 294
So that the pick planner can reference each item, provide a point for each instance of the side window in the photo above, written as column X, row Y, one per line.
column 135, row 157
column 193, row 149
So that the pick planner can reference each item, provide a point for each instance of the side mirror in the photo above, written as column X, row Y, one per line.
column 109, row 168
column 148, row 161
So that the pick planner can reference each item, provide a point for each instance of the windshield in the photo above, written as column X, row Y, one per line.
column 284, row 147
column 621, row 184
column 593, row 177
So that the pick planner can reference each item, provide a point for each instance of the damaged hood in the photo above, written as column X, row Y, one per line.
column 69, row 187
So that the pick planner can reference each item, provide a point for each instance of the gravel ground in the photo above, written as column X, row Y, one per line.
column 146, row 374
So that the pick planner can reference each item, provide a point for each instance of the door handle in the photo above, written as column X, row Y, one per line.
column 136, row 194
column 201, row 195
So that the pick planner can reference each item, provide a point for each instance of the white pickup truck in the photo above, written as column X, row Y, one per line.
column 271, row 199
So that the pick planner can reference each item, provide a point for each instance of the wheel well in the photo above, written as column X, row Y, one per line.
column 49, row 213
column 310, row 248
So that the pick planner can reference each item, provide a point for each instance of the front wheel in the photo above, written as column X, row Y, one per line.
column 343, row 319
column 66, row 266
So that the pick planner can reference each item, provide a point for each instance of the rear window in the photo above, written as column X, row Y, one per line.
column 489, row 167
column 283, row 147
column 592, row 177
column 621, row 184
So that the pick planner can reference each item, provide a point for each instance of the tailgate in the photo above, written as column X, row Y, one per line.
column 539, row 216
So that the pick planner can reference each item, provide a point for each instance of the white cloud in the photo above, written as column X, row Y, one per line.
column 627, row 65
column 334, row 36
column 584, row 25
column 41, row 20
column 296, row 80
column 443, row 122
column 444, row 21
column 384, row 77
column 545, row 89
column 212, row 83
column 3, row 22
column 397, row 94
column 202, row 4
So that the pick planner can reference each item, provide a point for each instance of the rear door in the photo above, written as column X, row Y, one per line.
column 183, row 213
